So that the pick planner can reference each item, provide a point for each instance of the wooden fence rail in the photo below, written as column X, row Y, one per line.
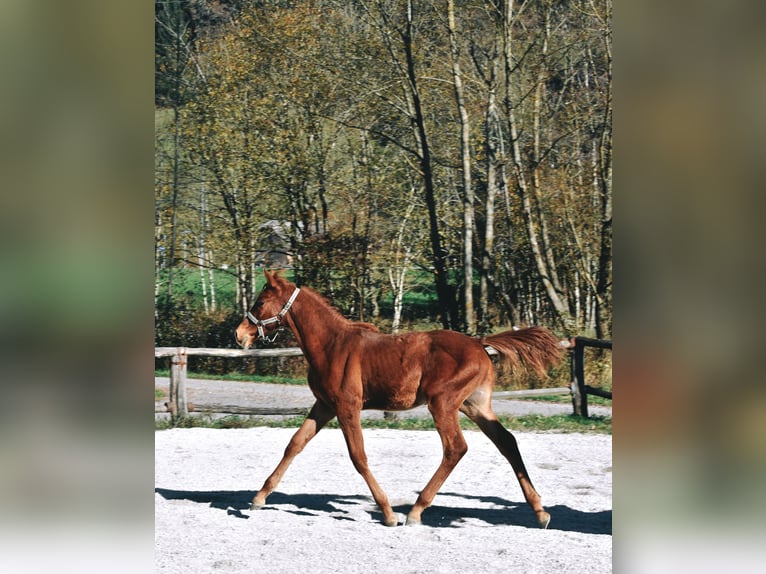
column 178, row 406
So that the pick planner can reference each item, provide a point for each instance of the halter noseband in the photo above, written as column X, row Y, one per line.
column 275, row 319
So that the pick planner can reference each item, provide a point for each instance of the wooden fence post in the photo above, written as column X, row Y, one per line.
column 579, row 393
column 178, row 406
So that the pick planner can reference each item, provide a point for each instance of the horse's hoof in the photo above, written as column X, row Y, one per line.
column 256, row 505
column 544, row 519
column 412, row 521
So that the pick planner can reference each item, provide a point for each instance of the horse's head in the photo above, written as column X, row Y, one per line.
column 268, row 311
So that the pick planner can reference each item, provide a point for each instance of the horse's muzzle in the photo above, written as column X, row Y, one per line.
column 245, row 341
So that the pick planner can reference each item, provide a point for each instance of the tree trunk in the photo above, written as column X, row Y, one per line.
column 157, row 259
column 398, row 271
column 468, row 195
column 525, row 194
column 211, row 275
column 201, row 248
column 439, row 255
column 178, row 72
column 203, row 280
column 493, row 136
column 243, row 277
column 540, row 219
column 489, row 221
column 604, row 283
column 396, row 277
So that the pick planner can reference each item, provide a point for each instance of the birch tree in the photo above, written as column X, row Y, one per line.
column 465, row 157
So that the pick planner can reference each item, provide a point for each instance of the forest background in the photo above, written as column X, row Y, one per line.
column 438, row 163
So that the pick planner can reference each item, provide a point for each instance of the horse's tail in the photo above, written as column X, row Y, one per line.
column 535, row 348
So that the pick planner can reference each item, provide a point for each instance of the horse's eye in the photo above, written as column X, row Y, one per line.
column 258, row 304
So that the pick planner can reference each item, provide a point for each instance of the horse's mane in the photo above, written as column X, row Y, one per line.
column 325, row 311
column 365, row 326
column 322, row 304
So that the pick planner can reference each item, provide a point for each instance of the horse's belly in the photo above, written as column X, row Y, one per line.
column 392, row 405
column 392, row 397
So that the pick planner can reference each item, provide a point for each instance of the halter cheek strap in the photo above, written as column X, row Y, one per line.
column 261, row 323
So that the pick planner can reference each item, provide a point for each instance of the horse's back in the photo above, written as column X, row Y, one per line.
column 418, row 349
column 402, row 371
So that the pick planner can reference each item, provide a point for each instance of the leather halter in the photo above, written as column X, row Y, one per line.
column 261, row 323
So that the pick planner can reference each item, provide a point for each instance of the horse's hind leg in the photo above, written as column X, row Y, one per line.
column 454, row 447
column 479, row 410
column 319, row 415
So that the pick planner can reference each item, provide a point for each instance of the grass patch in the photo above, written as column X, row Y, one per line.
column 566, row 399
column 530, row 423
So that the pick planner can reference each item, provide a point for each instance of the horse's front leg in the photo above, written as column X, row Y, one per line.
column 350, row 424
column 319, row 415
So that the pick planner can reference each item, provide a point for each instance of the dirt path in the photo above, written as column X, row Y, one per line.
column 299, row 396
column 322, row 519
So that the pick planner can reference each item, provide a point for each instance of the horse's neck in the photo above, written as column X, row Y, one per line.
column 314, row 326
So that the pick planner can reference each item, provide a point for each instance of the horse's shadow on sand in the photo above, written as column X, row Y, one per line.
column 506, row 512
column 502, row 512
column 235, row 501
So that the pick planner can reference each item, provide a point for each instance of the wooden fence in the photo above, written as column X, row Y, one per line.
column 579, row 389
column 178, row 406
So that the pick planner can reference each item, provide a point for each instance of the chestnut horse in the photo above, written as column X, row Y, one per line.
column 353, row 367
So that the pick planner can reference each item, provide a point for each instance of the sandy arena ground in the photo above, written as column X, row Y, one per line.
column 321, row 518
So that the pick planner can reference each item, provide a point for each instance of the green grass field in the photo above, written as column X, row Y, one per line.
column 531, row 423
column 187, row 287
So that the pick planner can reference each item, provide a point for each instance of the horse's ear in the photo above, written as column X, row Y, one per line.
column 274, row 279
